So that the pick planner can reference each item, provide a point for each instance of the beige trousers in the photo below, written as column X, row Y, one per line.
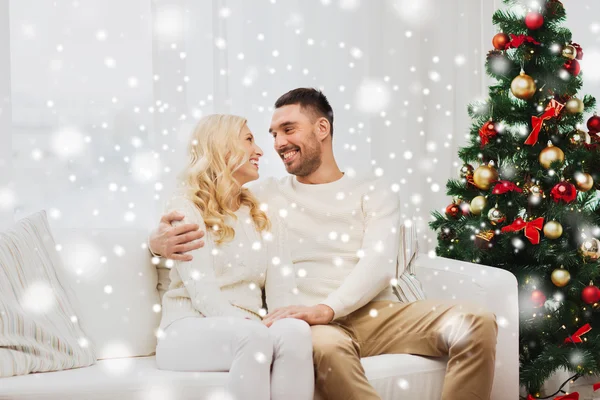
column 463, row 332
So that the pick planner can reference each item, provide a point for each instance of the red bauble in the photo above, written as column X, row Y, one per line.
column 564, row 191
column 573, row 67
column 500, row 41
column 593, row 124
column 534, row 20
column 453, row 211
column 590, row 294
column 538, row 298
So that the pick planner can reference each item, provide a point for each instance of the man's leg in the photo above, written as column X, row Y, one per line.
column 339, row 373
column 464, row 332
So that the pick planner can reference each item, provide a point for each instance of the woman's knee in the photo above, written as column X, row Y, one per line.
column 255, row 335
column 291, row 333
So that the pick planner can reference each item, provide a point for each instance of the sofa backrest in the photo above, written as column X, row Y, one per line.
column 112, row 275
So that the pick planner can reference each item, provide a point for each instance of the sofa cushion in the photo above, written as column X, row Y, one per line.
column 400, row 376
column 111, row 272
column 39, row 321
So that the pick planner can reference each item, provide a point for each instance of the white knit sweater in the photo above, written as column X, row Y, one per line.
column 343, row 238
column 228, row 279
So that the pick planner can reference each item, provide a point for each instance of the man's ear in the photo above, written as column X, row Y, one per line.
column 323, row 128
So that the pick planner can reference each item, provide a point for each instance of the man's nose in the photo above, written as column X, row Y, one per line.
column 280, row 142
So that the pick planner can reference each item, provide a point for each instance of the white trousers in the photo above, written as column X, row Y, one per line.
column 248, row 350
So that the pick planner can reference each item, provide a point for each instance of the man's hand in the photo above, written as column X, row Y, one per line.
column 173, row 242
column 315, row 315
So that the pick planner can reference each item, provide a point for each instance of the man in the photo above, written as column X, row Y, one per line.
column 344, row 244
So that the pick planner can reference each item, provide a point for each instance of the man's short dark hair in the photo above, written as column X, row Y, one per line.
column 308, row 98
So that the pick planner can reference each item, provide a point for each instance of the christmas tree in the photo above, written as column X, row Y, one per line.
column 525, row 198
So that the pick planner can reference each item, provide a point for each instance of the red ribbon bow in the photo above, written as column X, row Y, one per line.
column 553, row 109
column 570, row 396
column 517, row 40
column 505, row 187
column 486, row 132
column 576, row 337
column 564, row 191
column 532, row 228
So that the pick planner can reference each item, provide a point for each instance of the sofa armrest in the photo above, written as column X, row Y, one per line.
column 494, row 288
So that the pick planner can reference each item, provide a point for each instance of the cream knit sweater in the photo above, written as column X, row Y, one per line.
column 228, row 279
column 343, row 238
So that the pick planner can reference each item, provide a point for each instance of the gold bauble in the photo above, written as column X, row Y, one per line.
column 560, row 277
column 584, row 181
column 523, row 86
column 553, row 230
column 590, row 249
column 574, row 106
column 569, row 52
column 484, row 176
column 478, row 204
column 551, row 154
column 578, row 137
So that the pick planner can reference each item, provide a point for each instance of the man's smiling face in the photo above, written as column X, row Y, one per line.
column 295, row 140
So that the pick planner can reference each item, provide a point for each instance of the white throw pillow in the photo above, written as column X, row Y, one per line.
column 408, row 287
column 39, row 322
column 112, row 275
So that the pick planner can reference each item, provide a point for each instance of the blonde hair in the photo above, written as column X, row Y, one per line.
column 215, row 153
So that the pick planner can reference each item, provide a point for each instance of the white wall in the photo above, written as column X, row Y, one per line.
column 171, row 67
column 6, row 191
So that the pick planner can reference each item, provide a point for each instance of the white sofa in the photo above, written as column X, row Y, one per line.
column 115, row 282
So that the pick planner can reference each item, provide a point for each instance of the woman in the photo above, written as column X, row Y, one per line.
column 211, row 316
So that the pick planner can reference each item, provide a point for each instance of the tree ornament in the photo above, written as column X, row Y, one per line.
column 518, row 40
column 447, row 234
column 590, row 294
column 478, row 204
column 532, row 228
column 584, row 181
column 560, row 277
column 574, row 106
column 538, row 298
column 453, row 211
column 552, row 305
column 593, row 124
column 534, row 20
column 590, row 249
column 502, row 187
column 484, row 176
column 579, row 51
column 534, row 192
column 573, row 67
column 578, row 137
column 500, row 41
column 496, row 216
column 569, row 51
column 523, row 86
column 551, row 154
column 487, row 131
column 553, row 109
column 564, row 191
column 553, row 230
column 485, row 240
column 465, row 171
